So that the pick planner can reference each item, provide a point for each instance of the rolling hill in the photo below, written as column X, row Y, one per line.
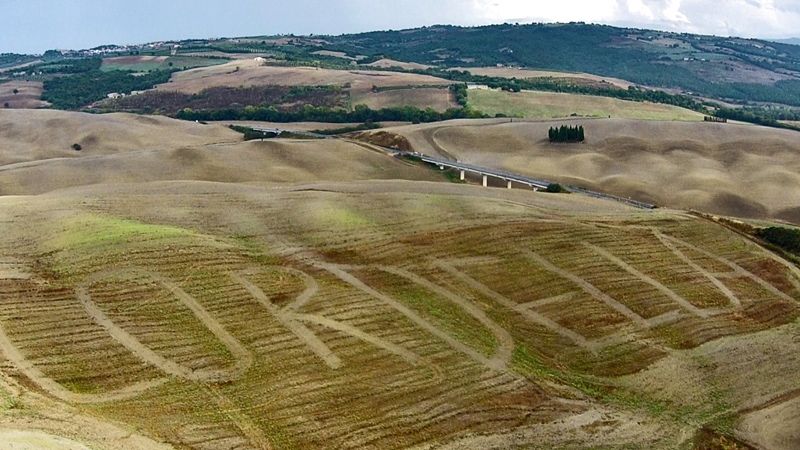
column 731, row 169
column 166, row 285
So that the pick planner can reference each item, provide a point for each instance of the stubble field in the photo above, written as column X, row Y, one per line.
column 318, row 294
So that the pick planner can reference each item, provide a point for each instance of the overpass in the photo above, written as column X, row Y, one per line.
column 510, row 178
column 483, row 171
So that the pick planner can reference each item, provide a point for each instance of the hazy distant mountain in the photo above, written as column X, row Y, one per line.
column 793, row 41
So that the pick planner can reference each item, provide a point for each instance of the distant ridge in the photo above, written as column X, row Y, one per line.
column 793, row 41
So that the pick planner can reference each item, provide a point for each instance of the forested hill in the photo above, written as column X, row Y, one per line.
column 729, row 68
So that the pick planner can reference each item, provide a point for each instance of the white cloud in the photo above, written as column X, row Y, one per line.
column 747, row 18
column 638, row 8
column 545, row 11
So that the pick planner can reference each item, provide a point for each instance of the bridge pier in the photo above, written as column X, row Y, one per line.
column 463, row 175
column 441, row 167
column 485, row 181
column 509, row 184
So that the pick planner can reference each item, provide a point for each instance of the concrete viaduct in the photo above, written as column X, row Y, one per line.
column 483, row 171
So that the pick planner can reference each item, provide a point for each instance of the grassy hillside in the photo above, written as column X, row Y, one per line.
column 384, row 315
column 531, row 104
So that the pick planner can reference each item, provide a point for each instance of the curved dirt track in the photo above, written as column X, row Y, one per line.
column 348, row 278
column 243, row 357
column 508, row 303
column 53, row 388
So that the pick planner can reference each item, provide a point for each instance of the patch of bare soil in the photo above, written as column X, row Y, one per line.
column 36, row 440
column 440, row 99
column 775, row 427
column 383, row 139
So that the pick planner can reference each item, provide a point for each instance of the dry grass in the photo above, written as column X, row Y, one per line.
column 334, row 307
column 439, row 99
column 506, row 72
column 730, row 169
column 30, row 136
column 436, row 369
column 389, row 63
column 533, row 104
column 250, row 73
column 28, row 97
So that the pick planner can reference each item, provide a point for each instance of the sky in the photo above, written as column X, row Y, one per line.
column 33, row 26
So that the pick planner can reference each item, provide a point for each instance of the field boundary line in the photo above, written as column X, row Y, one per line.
column 410, row 357
column 505, row 343
column 710, row 276
column 739, row 270
column 302, row 332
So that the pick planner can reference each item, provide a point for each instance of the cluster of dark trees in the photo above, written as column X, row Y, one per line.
column 82, row 89
column 460, row 91
column 360, row 114
column 567, row 133
column 251, row 134
column 368, row 125
column 715, row 119
column 785, row 238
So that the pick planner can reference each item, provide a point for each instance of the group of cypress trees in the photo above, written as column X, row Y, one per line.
column 567, row 134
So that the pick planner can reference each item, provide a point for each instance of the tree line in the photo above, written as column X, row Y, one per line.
column 785, row 238
column 760, row 116
column 567, row 133
column 308, row 113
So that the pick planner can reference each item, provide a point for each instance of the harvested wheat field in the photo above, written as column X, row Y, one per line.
column 389, row 63
column 438, row 99
column 251, row 73
column 28, row 95
column 730, row 169
column 30, row 136
column 385, row 314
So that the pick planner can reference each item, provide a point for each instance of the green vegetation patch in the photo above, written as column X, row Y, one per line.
column 90, row 231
